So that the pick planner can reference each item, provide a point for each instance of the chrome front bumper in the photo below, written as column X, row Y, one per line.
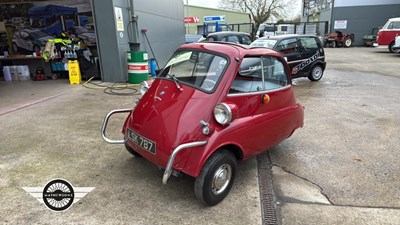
column 168, row 168
column 105, row 123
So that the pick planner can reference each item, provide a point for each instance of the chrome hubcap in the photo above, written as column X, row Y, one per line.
column 221, row 179
column 348, row 42
column 317, row 72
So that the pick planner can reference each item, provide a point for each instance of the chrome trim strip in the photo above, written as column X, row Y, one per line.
column 168, row 169
column 301, row 60
column 259, row 92
column 297, row 61
column 105, row 123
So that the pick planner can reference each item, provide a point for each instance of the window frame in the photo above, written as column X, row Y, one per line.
column 217, row 83
column 283, row 87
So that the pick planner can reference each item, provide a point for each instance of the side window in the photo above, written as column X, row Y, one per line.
column 288, row 46
column 210, row 39
column 274, row 73
column 246, row 40
column 259, row 74
column 396, row 25
column 308, row 44
column 232, row 39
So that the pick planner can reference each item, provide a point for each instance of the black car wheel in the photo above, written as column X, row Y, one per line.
column 316, row 73
column 391, row 47
column 216, row 178
column 130, row 150
column 347, row 42
column 15, row 47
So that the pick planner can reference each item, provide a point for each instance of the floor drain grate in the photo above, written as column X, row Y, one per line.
column 267, row 196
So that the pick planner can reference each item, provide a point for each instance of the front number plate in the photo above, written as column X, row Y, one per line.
column 142, row 141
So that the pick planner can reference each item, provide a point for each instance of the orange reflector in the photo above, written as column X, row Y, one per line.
column 265, row 98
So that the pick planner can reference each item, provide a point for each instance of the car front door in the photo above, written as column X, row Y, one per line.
column 262, row 93
column 310, row 52
column 289, row 49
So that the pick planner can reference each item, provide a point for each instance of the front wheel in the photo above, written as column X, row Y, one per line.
column 316, row 73
column 216, row 178
column 391, row 47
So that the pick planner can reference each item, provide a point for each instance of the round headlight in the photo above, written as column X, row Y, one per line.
column 223, row 114
column 144, row 86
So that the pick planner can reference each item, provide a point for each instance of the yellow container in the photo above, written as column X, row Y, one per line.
column 74, row 72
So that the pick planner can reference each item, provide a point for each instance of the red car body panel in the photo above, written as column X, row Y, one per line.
column 173, row 118
column 386, row 35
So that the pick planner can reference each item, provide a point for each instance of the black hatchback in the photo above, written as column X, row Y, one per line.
column 229, row 36
column 304, row 53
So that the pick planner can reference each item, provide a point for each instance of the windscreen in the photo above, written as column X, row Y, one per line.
column 201, row 70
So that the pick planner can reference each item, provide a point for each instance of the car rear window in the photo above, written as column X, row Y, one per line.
column 266, row 43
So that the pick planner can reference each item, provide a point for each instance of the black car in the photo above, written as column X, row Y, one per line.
column 304, row 53
column 229, row 36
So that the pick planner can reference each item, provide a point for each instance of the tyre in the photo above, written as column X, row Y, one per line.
column 391, row 47
column 347, row 42
column 130, row 150
column 216, row 178
column 333, row 44
column 316, row 73
column 15, row 47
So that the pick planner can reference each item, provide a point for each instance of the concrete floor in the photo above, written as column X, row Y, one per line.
column 347, row 151
column 341, row 168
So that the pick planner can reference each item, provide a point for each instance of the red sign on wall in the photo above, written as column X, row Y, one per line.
column 192, row 19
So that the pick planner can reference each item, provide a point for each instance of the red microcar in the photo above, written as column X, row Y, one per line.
column 213, row 105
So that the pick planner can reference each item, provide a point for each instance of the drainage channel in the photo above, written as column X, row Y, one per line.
column 267, row 196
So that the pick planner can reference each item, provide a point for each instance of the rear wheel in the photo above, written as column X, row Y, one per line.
column 316, row 73
column 216, row 178
column 130, row 150
column 391, row 47
column 347, row 42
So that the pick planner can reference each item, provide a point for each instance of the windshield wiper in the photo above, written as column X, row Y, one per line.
column 176, row 81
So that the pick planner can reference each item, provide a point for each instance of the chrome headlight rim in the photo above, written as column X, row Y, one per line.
column 144, row 86
column 224, row 110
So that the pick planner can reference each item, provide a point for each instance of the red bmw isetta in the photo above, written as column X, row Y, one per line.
column 212, row 105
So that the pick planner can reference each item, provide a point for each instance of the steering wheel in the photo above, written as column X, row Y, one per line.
column 208, row 84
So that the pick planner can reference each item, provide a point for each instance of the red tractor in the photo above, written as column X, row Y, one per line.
column 338, row 39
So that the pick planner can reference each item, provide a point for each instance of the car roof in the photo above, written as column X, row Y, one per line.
column 280, row 37
column 221, row 33
column 395, row 19
column 231, row 49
